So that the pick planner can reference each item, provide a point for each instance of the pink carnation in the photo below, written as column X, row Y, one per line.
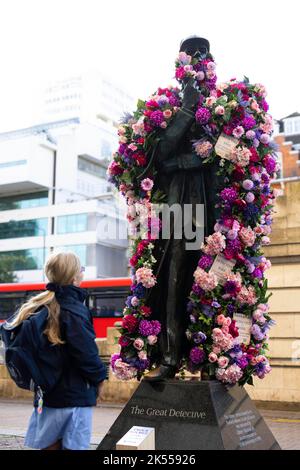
column 221, row 339
column 240, row 156
column 215, row 243
column 147, row 184
column 146, row 277
column 230, row 375
column 207, row 281
column 247, row 295
column 124, row 371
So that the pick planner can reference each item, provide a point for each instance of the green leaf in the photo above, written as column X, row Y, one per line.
column 141, row 104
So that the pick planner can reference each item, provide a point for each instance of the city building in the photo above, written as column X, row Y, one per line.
column 91, row 96
column 287, row 136
column 54, row 196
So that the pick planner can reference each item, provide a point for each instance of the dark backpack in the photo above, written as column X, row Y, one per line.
column 32, row 361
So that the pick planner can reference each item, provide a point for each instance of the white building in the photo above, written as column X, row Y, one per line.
column 54, row 195
column 91, row 96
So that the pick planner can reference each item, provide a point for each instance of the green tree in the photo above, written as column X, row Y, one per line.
column 7, row 263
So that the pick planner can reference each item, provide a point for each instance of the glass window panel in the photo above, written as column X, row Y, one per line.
column 24, row 201
column 72, row 223
column 33, row 258
column 24, row 228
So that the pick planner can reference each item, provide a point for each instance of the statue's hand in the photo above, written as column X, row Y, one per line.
column 190, row 94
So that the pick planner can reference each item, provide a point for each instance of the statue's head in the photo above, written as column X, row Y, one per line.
column 194, row 45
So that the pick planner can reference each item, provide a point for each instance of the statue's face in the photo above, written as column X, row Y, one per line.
column 197, row 52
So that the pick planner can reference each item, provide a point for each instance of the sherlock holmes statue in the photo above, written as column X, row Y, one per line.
column 183, row 177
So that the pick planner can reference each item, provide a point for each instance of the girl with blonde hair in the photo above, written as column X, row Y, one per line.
column 63, row 419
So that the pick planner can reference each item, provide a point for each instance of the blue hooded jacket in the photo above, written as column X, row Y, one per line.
column 81, row 367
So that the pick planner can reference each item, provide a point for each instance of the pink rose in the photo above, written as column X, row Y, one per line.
column 247, row 236
column 220, row 110
column 210, row 100
column 220, row 319
column 142, row 355
column 212, row 357
column 138, row 344
column 152, row 339
column 207, row 281
column 167, row 113
column 223, row 362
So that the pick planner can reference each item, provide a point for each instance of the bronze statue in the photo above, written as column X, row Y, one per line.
column 183, row 177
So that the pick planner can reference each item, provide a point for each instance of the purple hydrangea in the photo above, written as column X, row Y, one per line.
column 242, row 362
column 174, row 101
column 248, row 122
column 264, row 105
column 257, row 273
column 197, row 355
column 145, row 328
column 205, row 261
column 228, row 194
column 269, row 164
column 203, row 115
column 157, row 117
column 197, row 289
column 156, row 327
column 122, row 148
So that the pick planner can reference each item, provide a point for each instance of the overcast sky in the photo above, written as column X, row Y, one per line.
column 136, row 41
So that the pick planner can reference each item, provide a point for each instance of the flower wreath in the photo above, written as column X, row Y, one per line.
column 236, row 110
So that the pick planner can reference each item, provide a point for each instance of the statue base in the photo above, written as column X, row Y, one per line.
column 193, row 415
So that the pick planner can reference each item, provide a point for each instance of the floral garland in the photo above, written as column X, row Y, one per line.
column 237, row 110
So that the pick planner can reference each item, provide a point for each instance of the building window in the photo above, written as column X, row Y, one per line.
column 92, row 168
column 13, row 163
column 24, row 201
column 292, row 126
column 297, row 126
column 106, row 149
column 24, row 228
column 79, row 250
column 22, row 260
column 72, row 223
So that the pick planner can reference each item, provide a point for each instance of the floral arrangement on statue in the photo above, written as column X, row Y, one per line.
column 238, row 112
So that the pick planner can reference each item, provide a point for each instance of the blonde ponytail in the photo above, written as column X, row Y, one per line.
column 62, row 269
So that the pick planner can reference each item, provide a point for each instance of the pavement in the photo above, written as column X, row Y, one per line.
column 15, row 414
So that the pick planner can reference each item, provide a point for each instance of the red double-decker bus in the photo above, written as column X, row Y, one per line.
column 106, row 300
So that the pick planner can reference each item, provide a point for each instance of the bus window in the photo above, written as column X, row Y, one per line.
column 9, row 304
column 106, row 306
